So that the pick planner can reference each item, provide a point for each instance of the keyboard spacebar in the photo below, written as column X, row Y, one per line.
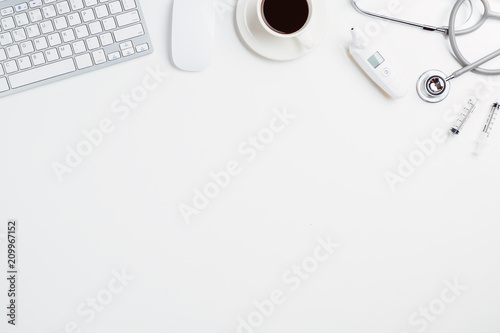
column 42, row 73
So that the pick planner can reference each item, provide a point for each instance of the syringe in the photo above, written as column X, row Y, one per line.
column 464, row 116
column 482, row 142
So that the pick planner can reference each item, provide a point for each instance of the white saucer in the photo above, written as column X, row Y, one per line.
column 275, row 48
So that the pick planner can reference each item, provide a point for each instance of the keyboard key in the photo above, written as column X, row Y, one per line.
column 27, row 47
column 109, row 23
column 129, row 4
column 128, row 52
column 3, row 55
column 22, row 19
column 88, row 15
column 3, row 84
column 42, row 73
column 13, row 51
column 101, row 11
column 41, row 43
column 68, row 35
column 95, row 27
column 142, row 48
column 93, row 43
column 35, row 3
column 54, row 39
column 47, row 27
column 60, row 23
column 22, row 6
column 83, row 61
column 10, row 66
column 8, row 23
column 74, row 19
column 24, row 63
column 5, row 39
column 38, row 59
column 126, row 45
column 114, row 56
column 79, row 47
column 99, row 57
column 33, row 31
column 1, row 70
column 115, row 7
column 49, row 11
column 63, row 7
column 106, row 39
column 82, row 31
column 129, row 32
column 65, row 51
column 89, row 3
column 76, row 4
column 36, row 15
column 51, row 55
column 19, row 35
column 7, row 11
column 128, row 18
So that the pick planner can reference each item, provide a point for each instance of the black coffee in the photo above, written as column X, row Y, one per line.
column 285, row 16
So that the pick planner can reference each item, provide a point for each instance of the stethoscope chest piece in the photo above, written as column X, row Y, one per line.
column 433, row 87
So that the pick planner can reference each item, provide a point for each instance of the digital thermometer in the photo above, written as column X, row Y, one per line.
column 377, row 68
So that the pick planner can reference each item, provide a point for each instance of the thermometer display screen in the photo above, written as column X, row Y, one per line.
column 376, row 60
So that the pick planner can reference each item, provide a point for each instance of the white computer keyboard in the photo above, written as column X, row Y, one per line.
column 42, row 41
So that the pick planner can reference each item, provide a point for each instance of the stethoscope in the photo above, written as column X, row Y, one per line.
column 434, row 86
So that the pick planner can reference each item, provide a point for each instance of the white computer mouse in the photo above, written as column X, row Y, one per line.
column 193, row 27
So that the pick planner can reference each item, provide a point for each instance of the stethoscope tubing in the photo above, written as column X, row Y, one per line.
column 452, row 34
column 400, row 21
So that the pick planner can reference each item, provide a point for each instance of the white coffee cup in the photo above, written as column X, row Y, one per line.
column 302, row 35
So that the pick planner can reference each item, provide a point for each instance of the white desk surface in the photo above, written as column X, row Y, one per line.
column 322, row 176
